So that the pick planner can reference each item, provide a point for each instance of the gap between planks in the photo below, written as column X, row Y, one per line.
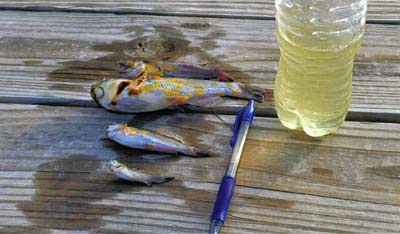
column 177, row 14
column 264, row 112
column 192, row 181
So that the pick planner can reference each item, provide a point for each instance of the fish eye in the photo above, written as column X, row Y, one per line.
column 99, row 92
column 122, row 86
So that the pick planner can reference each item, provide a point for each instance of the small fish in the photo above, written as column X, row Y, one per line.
column 153, row 93
column 123, row 172
column 142, row 139
column 138, row 67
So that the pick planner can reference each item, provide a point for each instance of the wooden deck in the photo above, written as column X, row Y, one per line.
column 53, row 150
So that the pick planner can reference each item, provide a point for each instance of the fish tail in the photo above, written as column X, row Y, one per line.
column 248, row 92
column 157, row 180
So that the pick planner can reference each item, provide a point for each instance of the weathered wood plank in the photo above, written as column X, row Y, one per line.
column 378, row 10
column 53, row 176
column 55, row 57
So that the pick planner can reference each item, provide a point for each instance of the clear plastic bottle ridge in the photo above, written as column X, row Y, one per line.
column 318, row 40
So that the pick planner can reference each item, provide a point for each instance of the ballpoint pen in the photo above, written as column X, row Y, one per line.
column 225, row 192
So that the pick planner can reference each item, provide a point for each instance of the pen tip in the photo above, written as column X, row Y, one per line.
column 215, row 226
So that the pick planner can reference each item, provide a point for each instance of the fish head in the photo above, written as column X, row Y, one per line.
column 113, row 129
column 114, row 165
column 131, row 68
column 108, row 92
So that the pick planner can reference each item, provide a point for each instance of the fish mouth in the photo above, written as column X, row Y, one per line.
column 113, row 129
column 127, row 69
column 122, row 67
column 113, row 164
column 96, row 92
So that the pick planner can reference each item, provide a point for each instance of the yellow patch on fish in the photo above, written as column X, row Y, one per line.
column 130, row 63
column 167, row 67
column 169, row 87
column 178, row 100
column 129, row 130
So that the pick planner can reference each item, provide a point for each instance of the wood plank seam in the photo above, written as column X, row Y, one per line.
column 271, row 113
column 130, row 12
column 239, row 185
column 135, row 12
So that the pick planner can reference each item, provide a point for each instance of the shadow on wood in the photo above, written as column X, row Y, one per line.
column 67, row 195
column 76, row 192
column 164, row 43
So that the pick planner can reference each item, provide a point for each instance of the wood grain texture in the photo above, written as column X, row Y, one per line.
column 53, row 58
column 378, row 10
column 53, row 177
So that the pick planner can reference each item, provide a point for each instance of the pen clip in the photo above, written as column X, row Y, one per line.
column 246, row 113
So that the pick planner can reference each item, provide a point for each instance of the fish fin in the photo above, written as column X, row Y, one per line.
column 223, row 76
column 149, row 179
column 157, row 180
column 156, row 132
column 249, row 92
column 130, row 105
column 178, row 100
column 179, row 108
column 206, row 101
column 188, row 150
column 202, row 154
column 195, row 152
column 150, row 147
column 127, row 69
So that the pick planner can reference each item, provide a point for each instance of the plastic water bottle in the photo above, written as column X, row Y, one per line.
column 318, row 40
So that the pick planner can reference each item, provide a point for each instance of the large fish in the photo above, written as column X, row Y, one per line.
column 138, row 67
column 154, row 93
column 123, row 172
column 142, row 139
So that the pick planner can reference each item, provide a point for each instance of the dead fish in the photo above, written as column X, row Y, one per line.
column 123, row 172
column 153, row 93
column 138, row 67
column 142, row 139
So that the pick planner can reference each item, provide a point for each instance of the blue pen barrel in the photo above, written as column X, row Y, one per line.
column 225, row 192
column 224, row 197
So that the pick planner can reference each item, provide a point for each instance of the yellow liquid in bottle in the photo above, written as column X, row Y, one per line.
column 313, row 87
